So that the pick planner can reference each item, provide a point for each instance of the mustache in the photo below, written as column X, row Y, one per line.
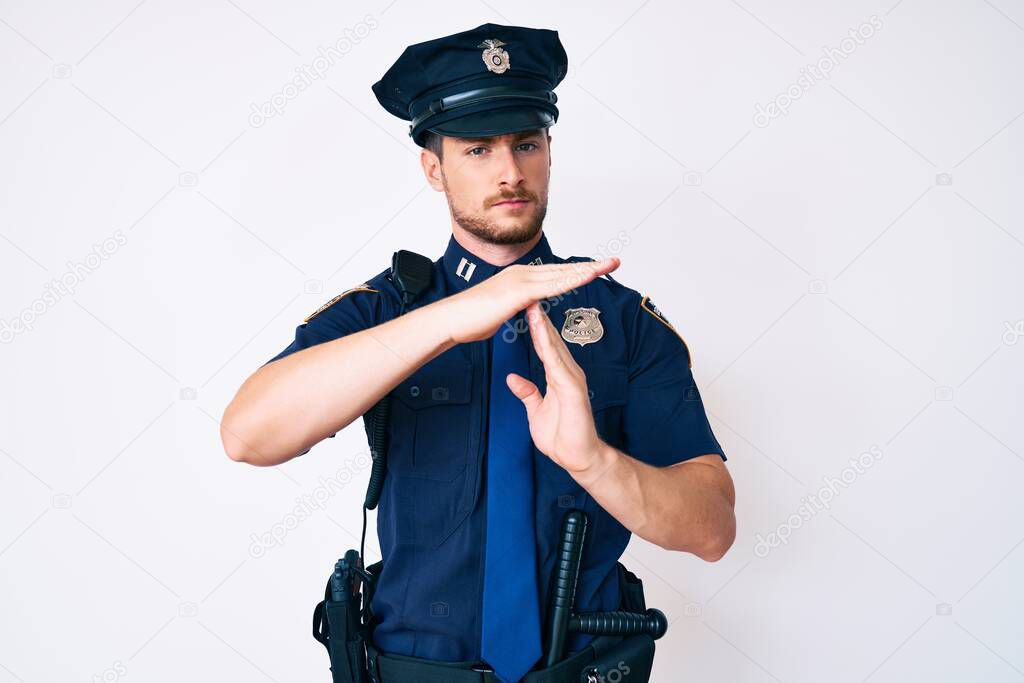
column 524, row 196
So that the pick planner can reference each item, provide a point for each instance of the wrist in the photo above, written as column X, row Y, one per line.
column 438, row 311
column 606, row 457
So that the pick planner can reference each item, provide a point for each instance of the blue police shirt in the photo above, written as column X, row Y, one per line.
column 431, row 516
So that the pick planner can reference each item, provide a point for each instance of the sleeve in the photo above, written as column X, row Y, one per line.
column 353, row 310
column 664, row 420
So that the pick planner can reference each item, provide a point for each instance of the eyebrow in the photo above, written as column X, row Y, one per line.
column 517, row 136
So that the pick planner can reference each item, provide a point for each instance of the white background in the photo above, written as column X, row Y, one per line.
column 848, row 277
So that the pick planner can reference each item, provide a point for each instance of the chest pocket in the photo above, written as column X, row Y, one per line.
column 431, row 420
column 432, row 455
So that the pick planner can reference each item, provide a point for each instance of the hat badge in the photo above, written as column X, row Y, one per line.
column 494, row 57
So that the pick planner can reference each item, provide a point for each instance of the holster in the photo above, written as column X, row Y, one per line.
column 631, row 590
column 632, row 658
column 348, row 658
column 341, row 627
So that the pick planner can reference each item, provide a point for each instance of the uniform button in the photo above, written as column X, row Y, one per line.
column 414, row 391
column 590, row 393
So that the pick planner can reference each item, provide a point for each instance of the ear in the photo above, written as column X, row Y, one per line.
column 431, row 169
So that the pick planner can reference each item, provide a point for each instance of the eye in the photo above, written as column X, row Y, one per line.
column 529, row 144
column 470, row 152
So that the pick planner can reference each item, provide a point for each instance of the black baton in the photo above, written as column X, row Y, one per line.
column 652, row 622
column 563, row 595
column 562, row 620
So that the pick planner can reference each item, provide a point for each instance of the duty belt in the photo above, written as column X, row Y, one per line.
column 395, row 668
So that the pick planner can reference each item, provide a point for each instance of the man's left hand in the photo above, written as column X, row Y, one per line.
column 561, row 421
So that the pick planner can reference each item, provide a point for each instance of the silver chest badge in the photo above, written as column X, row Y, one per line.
column 494, row 57
column 582, row 326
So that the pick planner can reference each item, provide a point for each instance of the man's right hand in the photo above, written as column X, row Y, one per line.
column 478, row 312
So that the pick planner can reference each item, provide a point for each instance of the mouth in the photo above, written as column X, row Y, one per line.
column 514, row 203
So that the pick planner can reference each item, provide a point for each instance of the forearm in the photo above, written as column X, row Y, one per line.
column 289, row 405
column 685, row 507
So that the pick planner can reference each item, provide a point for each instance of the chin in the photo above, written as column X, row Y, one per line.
column 518, row 231
column 504, row 230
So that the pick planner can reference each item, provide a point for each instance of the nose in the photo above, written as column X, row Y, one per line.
column 509, row 172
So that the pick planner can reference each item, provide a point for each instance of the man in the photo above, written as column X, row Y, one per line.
column 524, row 384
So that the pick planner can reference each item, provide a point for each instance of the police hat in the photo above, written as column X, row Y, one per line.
column 486, row 81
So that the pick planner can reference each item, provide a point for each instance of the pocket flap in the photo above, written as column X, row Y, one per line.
column 436, row 383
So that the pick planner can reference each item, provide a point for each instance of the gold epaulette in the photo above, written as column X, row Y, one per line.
column 365, row 287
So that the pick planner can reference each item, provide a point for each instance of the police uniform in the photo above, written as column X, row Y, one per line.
column 432, row 511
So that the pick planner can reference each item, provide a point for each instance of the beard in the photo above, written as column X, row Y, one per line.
column 512, row 230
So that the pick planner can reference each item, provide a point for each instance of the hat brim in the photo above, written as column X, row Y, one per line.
column 495, row 122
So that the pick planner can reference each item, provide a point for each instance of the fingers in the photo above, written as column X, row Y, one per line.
column 559, row 345
column 546, row 281
column 559, row 366
column 525, row 390
column 606, row 265
column 582, row 270
column 537, row 332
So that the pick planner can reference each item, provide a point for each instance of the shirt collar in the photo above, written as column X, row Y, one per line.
column 464, row 269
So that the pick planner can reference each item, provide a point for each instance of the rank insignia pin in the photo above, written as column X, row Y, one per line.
column 496, row 59
column 582, row 326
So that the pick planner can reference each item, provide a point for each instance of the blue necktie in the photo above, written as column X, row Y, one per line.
column 510, row 633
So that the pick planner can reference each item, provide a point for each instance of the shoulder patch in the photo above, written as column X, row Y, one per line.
column 648, row 305
column 365, row 287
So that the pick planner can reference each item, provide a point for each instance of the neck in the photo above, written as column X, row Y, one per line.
column 495, row 254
